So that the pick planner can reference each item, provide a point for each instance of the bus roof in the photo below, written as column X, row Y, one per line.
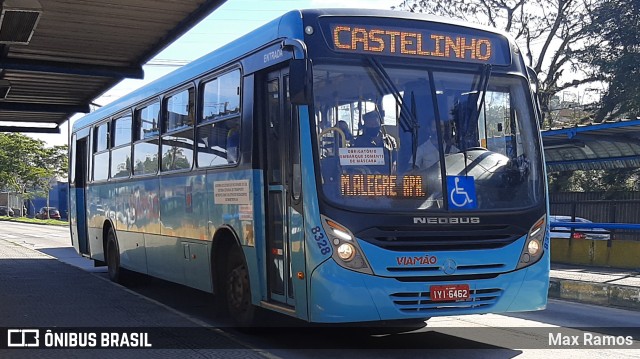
column 287, row 25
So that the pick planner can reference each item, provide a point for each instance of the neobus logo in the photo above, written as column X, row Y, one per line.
column 446, row 220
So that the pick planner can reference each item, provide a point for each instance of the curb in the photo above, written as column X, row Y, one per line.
column 613, row 295
column 14, row 220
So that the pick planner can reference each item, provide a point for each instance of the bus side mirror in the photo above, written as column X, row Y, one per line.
column 299, row 78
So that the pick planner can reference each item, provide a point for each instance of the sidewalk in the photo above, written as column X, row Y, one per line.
column 596, row 285
column 39, row 292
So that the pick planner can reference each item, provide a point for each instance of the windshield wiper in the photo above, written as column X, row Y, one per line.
column 483, row 84
column 408, row 121
column 481, row 90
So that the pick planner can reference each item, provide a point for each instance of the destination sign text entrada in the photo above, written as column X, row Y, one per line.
column 405, row 42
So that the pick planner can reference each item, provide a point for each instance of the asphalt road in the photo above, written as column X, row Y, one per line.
column 553, row 332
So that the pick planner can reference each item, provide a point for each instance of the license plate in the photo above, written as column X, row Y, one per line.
column 449, row 293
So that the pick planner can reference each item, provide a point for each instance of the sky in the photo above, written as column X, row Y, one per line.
column 230, row 21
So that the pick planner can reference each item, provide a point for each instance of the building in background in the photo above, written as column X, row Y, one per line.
column 57, row 198
column 11, row 200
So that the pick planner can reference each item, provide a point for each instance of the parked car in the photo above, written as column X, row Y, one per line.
column 578, row 233
column 6, row 211
column 48, row 212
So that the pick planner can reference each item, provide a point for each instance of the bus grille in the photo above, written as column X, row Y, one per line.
column 461, row 269
column 420, row 302
column 441, row 239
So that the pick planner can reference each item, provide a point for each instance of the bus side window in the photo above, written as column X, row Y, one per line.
column 121, row 146
column 145, row 148
column 218, row 143
column 218, row 133
column 101, row 152
column 177, row 138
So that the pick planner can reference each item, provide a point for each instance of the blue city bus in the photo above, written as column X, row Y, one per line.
column 336, row 166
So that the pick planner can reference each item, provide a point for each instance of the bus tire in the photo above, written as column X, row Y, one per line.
column 237, row 290
column 113, row 257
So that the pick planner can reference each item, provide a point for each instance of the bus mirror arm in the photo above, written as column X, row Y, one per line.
column 296, row 46
column 299, row 72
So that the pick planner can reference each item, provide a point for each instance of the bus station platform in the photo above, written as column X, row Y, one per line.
column 48, row 295
column 596, row 285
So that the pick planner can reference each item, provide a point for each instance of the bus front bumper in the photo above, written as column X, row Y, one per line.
column 339, row 295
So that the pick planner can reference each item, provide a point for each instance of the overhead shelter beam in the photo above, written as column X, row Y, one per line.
column 79, row 49
column 30, row 129
column 72, row 68
column 39, row 107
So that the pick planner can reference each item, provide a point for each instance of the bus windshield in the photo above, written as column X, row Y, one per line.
column 401, row 139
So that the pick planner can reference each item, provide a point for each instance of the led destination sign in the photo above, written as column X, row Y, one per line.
column 381, row 185
column 443, row 45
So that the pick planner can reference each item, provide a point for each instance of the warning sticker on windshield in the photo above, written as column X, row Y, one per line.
column 359, row 156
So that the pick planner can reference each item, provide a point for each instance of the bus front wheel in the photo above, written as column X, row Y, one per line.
column 113, row 257
column 238, row 290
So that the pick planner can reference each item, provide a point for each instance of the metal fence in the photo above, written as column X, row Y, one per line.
column 617, row 207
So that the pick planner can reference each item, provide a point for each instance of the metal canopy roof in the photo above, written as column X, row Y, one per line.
column 604, row 145
column 56, row 56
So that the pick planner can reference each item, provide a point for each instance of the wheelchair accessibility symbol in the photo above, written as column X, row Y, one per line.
column 462, row 192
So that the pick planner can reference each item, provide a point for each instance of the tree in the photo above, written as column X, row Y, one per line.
column 615, row 51
column 551, row 32
column 55, row 162
column 26, row 164
column 174, row 158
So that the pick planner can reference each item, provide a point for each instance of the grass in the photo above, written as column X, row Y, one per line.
column 53, row 222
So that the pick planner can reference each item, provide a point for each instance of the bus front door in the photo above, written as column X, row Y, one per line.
column 285, row 244
column 78, row 210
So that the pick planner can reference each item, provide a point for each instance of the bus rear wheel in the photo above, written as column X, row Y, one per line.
column 238, row 290
column 113, row 257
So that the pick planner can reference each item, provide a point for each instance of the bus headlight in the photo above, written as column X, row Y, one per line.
column 346, row 251
column 533, row 247
column 532, row 250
